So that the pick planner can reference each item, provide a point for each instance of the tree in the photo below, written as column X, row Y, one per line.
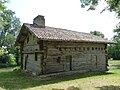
column 114, row 50
column 9, row 28
column 112, row 5
column 2, row 5
column 117, row 33
column 97, row 33
column 3, row 53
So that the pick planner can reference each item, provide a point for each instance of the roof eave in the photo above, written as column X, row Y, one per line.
column 102, row 42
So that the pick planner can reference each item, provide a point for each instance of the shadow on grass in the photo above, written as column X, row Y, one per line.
column 17, row 80
column 111, row 87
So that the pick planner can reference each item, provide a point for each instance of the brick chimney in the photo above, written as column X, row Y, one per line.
column 39, row 21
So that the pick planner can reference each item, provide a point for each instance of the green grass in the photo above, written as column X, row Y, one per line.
column 11, row 79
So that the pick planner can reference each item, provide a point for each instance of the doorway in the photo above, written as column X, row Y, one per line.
column 95, row 61
column 68, row 65
column 26, row 59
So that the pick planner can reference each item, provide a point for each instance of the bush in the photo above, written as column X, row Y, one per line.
column 114, row 52
column 5, row 58
column 3, row 50
column 11, row 59
column 3, row 54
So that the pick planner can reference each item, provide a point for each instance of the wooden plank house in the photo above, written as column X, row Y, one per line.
column 49, row 50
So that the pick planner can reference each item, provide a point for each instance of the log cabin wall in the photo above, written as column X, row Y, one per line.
column 68, row 56
column 42, row 57
column 31, row 57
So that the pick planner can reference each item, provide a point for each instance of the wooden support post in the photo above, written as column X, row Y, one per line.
column 21, row 55
column 42, row 64
column 41, row 48
column 106, row 56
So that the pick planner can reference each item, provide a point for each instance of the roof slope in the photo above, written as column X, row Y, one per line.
column 58, row 34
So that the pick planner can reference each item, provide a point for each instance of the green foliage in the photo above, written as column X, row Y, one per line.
column 112, row 5
column 3, row 50
column 97, row 33
column 91, row 3
column 9, row 29
column 117, row 33
column 5, row 58
column 2, row 6
column 114, row 50
column 10, row 26
column 11, row 59
column 3, row 54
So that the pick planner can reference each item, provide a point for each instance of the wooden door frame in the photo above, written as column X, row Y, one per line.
column 70, row 62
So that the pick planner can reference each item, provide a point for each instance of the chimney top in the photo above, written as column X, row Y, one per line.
column 39, row 21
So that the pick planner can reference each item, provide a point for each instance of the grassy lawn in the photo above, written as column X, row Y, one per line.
column 11, row 79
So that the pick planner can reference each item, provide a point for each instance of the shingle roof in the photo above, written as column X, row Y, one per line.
column 58, row 34
column 50, row 33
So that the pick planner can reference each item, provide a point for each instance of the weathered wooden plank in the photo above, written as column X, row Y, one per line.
column 83, row 55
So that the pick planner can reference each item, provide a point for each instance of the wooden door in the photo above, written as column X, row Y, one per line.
column 68, row 63
column 95, row 61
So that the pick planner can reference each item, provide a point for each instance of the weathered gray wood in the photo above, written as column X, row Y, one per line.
column 84, row 56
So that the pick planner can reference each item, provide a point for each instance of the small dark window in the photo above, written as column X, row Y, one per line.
column 36, row 49
column 36, row 56
column 88, row 48
column 101, row 48
column 60, row 49
column 75, row 48
column 58, row 59
column 92, row 48
column 96, row 48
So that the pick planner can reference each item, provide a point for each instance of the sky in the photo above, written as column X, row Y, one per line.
column 66, row 14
